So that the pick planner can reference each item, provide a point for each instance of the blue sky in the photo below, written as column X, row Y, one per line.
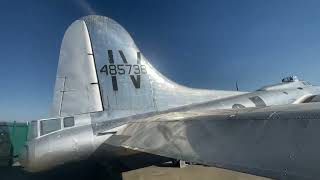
column 205, row 44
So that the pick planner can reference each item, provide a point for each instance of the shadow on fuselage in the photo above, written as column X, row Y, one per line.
column 107, row 163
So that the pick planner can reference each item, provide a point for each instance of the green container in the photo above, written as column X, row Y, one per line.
column 13, row 136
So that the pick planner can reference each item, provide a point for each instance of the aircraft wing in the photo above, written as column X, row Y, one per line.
column 280, row 142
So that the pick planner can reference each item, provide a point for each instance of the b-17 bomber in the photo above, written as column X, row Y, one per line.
column 111, row 104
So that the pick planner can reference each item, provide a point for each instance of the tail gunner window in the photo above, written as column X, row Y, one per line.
column 48, row 126
column 68, row 122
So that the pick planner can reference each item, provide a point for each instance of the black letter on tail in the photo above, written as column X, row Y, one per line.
column 123, row 57
column 136, row 82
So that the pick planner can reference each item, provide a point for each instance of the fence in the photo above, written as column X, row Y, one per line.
column 13, row 135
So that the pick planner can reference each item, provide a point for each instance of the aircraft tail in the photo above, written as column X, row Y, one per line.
column 101, row 69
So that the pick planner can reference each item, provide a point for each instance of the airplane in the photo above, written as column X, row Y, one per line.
column 110, row 102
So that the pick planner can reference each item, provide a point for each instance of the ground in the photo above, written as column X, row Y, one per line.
column 149, row 173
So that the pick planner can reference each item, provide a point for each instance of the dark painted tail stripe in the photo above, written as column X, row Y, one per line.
column 110, row 54
column 114, row 83
column 138, row 58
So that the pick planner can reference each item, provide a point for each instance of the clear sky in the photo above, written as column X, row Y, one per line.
column 205, row 43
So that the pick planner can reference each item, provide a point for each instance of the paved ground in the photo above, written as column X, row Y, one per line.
column 188, row 173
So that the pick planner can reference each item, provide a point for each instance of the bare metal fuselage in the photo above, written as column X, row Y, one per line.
column 107, row 94
column 90, row 131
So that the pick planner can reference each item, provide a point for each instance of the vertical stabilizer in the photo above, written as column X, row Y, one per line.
column 101, row 68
